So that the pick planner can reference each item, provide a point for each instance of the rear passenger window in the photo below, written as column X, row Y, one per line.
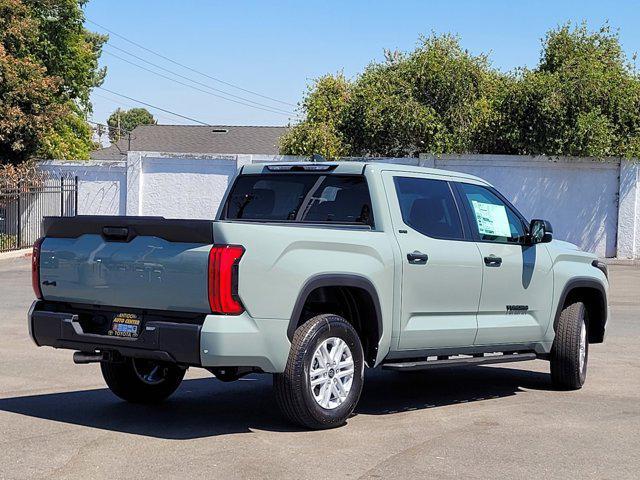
column 428, row 207
column 302, row 197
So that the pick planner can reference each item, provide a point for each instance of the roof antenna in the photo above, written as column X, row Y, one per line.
column 316, row 157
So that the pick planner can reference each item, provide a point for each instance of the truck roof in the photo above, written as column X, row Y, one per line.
column 355, row 167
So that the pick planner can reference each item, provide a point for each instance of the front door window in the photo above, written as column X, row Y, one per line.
column 494, row 221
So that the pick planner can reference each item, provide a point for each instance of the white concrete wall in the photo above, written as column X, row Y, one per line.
column 593, row 203
column 629, row 211
column 183, row 185
column 102, row 186
column 179, row 186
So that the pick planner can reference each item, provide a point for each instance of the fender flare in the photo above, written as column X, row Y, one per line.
column 581, row 282
column 334, row 280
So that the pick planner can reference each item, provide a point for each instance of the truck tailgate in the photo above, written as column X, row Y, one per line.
column 134, row 262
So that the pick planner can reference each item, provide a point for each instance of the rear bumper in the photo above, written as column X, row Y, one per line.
column 244, row 341
column 221, row 341
column 162, row 341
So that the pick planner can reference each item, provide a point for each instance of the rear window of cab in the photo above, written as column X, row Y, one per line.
column 300, row 198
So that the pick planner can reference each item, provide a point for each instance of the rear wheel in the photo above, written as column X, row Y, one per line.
column 570, row 349
column 322, row 382
column 142, row 381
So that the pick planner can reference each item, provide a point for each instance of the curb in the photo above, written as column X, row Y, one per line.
column 23, row 253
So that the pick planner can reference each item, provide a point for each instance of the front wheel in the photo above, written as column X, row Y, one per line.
column 570, row 349
column 322, row 381
column 142, row 381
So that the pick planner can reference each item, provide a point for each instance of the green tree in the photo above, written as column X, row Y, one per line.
column 324, row 109
column 48, row 65
column 583, row 99
column 121, row 122
column 69, row 138
column 435, row 99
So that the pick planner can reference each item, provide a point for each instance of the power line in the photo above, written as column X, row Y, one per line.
column 153, row 106
column 186, row 66
column 243, row 99
column 268, row 109
column 120, row 103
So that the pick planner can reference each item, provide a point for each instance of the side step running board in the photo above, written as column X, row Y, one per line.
column 459, row 361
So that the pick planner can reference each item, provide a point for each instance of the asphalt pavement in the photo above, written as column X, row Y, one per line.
column 58, row 420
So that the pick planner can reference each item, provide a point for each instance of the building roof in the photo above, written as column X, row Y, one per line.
column 223, row 139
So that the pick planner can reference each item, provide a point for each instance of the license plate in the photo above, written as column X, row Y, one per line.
column 125, row 325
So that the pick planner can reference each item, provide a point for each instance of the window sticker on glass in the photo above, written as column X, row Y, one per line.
column 491, row 219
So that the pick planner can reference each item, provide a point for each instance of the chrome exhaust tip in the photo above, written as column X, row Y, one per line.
column 82, row 358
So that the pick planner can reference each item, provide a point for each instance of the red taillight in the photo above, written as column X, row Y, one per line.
column 223, row 278
column 35, row 268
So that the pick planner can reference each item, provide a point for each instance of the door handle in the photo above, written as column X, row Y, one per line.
column 492, row 261
column 417, row 258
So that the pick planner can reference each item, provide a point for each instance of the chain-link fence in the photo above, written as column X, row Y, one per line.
column 23, row 204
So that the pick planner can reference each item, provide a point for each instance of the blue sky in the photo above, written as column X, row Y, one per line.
column 276, row 48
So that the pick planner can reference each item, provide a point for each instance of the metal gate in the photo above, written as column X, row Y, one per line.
column 23, row 204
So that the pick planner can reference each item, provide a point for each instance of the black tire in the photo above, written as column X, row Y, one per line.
column 566, row 373
column 293, row 386
column 130, row 379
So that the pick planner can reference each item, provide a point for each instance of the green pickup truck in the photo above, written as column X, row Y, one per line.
column 310, row 272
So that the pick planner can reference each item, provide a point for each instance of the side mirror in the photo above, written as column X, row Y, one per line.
column 540, row 231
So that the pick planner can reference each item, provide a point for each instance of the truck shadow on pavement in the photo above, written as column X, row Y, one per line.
column 207, row 407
